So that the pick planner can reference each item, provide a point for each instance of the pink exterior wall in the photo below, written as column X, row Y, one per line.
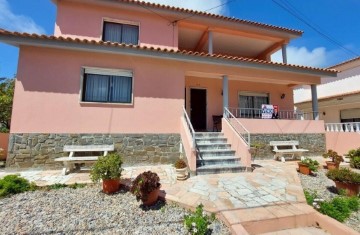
column 237, row 144
column 4, row 142
column 188, row 145
column 276, row 126
column 215, row 99
column 342, row 142
column 48, row 86
column 154, row 30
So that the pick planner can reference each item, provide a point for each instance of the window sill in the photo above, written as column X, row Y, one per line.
column 84, row 103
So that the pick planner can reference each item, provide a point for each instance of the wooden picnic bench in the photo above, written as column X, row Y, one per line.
column 69, row 162
column 286, row 148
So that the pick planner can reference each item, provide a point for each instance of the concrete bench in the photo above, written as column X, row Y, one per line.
column 287, row 148
column 69, row 162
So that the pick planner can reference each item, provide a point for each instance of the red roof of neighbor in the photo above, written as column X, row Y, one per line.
column 345, row 62
column 206, row 14
column 158, row 49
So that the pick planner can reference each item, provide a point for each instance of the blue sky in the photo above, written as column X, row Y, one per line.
column 339, row 19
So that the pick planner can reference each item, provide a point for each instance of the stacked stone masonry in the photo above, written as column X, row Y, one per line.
column 315, row 143
column 40, row 150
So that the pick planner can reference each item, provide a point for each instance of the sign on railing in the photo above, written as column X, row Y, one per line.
column 343, row 127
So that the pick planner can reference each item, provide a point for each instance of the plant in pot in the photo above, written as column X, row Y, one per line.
column 180, row 167
column 307, row 165
column 108, row 169
column 345, row 179
column 335, row 159
column 255, row 149
column 354, row 156
column 146, row 187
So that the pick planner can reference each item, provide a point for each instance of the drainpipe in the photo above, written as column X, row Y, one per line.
column 314, row 100
column 225, row 81
column 284, row 54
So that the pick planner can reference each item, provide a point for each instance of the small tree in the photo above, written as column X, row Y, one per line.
column 6, row 101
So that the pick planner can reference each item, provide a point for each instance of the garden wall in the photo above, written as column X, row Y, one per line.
column 40, row 150
column 342, row 142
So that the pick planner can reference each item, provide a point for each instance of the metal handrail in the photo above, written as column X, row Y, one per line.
column 191, row 129
column 245, row 134
column 343, row 127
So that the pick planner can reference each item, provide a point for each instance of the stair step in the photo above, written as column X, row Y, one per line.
column 213, row 146
column 216, row 152
column 226, row 160
column 211, row 141
column 208, row 134
column 217, row 169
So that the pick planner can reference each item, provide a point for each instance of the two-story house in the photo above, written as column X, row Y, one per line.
column 147, row 77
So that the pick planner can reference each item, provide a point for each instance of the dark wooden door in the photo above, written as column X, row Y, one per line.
column 198, row 108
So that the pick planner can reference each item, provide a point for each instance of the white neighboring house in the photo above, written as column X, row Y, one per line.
column 339, row 98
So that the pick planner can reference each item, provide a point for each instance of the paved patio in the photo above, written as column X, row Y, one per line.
column 272, row 193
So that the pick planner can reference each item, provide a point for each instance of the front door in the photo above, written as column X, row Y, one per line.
column 198, row 109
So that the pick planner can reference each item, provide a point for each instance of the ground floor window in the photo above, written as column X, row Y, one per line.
column 107, row 86
column 250, row 104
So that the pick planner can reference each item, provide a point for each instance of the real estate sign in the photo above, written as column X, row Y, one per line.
column 269, row 111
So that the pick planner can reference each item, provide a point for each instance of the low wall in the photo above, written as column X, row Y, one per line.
column 4, row 143
column 40, row 150
column 342, row 142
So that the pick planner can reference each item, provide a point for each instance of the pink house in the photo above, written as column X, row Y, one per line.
column 152, row 79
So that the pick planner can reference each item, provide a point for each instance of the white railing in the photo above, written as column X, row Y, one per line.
column 237, row 126
column 283, row 114
column 343, row 127
column 190, row 127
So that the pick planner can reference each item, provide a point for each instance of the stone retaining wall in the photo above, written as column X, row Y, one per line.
column 315, row 143
column 40, row 150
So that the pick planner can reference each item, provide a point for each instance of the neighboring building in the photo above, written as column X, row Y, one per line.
column 339, row 98
column 115, row 71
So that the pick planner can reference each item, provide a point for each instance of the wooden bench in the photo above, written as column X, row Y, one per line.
column 287, row 148
column 69, row 162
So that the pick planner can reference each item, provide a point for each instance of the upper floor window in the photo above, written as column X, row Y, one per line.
column 107, row 86
column 121, row 33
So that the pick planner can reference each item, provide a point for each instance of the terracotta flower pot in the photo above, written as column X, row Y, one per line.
column 152, row 197
column 350, row 188
column 111, row 185
column 332, row 165
column 181, row 174
column 304, row 169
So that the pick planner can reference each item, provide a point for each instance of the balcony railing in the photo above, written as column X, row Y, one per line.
column 283, row 114
column 343, row 127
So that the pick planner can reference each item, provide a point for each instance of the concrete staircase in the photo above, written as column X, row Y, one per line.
column 214, row 154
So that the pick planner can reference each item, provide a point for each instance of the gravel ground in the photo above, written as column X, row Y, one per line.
column 89, row 211
column 325, row 189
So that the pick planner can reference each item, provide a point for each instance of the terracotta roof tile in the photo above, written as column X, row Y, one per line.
column 158, row 49
column 202, row 13
column 345, row 62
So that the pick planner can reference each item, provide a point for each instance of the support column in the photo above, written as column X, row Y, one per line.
column 284, row 54
column 225, row 81
column 314, row 100
column 210, row 42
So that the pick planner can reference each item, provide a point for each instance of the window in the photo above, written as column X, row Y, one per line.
column 107, row 86
column 250, row 104
column 121, row 33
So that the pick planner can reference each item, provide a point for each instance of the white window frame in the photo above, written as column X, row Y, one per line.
column 118, row 21
column 110, row 72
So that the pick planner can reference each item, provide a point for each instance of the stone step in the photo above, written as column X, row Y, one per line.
column 214, row 153
column 217, row 169
column 213, row 146
column 224, row 160
column 208, row 134
column 211, row 141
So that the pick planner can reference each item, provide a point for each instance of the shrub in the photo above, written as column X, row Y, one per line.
column 198, row 222
column 344, row 175
column 310, row 197
column 13, row 184
column 144, row 184
column 60, row 186
column 354, row 155
column 335, row 157
column 180, row 164
column 312, row 164
column 340, row 208
column 107, row 167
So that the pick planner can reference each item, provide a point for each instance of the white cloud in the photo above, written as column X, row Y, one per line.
column 199, row 5
column 13, row 22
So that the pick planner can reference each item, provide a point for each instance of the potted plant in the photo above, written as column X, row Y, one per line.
column 146, row 187
column 345, row 179
column 255, row 148
column 307, row 165
column 108, row 169
column 335, row 159
column 354, row 156
column 180, row 167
